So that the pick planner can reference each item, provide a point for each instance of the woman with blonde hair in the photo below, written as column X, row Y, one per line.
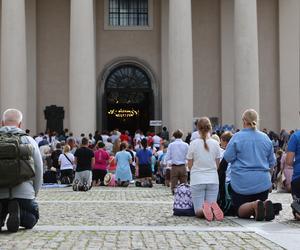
column 251, row 155
column 66, row 162
column 203, row 160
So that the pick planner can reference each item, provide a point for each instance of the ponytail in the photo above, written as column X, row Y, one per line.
column 250, row 117
column 204, row 127
column 253, row 124
column 203, row 136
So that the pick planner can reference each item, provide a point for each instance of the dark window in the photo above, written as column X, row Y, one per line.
column 128, row 12
column 127, row 84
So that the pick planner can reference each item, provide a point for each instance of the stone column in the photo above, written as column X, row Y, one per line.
column 227, row 61
column 165, row 62
column 289, row 63
column 246, row 58
column 13, row 57
column 30, row 6
column 180, row 66
column 82, row 68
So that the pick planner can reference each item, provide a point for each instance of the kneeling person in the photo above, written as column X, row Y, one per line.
column 21, row 170
column 84, row 160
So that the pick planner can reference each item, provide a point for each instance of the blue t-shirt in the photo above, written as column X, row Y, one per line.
column 144, row 156
column 294, row 146
column 123, row 171
column 251, row 155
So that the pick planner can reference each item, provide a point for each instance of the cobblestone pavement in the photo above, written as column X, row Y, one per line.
column 132, row 218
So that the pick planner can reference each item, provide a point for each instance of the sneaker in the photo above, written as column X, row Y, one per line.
column 207, row 211
column 260, row 211
column 296, row 206
column 85, row 187
column 75, row 185
column 269, row 210
column 217, row 212
column 125, row 183
column 13, row 221
column 277, row 208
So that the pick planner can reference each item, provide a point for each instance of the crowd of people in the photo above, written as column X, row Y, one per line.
column 244, row 165
column 228, row 172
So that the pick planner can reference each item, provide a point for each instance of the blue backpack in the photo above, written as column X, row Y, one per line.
column 183, row 205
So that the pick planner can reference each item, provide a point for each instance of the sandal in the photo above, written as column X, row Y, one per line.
column 217, row 212
column 207, row 211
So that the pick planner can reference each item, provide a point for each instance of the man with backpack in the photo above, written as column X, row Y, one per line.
column 21, row 170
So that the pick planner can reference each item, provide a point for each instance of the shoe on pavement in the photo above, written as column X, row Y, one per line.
column 207, row 211
column 296, row 206
column 85, row 187
column 217, row 212
column 277, row 208
column 269, row 210
column 75, row 185
column 13, row 221
column 260, row 211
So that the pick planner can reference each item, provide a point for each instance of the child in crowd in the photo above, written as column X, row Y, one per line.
column 203, row 160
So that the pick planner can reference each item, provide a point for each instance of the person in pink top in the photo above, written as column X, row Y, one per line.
column 287, row 172
column 101, row 162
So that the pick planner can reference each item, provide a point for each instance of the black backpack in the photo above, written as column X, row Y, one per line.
column 16, row 160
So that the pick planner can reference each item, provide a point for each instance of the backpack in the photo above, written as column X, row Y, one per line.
column 16, row 161
column 49, row 177
column 183, row 205
column 225, row 202
column 224, row 196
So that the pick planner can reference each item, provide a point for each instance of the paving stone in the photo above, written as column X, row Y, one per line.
column 69, row 214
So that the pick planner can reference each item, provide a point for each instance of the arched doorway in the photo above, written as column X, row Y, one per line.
column 128, row 99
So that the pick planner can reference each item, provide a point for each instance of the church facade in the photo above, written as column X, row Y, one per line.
column 121, row 63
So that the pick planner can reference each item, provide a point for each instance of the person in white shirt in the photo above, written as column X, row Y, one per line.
column 203, row 160
column 104, row 136
column 39, row 138
column 66, row 162
column 176, row 154
column 109, row 145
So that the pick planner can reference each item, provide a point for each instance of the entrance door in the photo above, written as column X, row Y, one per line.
column 129, row 99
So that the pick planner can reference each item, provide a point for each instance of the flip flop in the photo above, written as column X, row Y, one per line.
column 208, row 214
column 217, row 211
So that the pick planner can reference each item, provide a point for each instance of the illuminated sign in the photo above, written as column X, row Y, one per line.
column 123, row 113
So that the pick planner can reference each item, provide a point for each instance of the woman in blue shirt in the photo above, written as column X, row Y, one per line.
column 293, row 159
column 251, row 155
column 123, row 161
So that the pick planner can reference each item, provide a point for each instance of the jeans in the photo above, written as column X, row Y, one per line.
column 29, row 212
column 204, row 192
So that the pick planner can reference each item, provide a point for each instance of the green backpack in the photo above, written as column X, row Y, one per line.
column 16, row 160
